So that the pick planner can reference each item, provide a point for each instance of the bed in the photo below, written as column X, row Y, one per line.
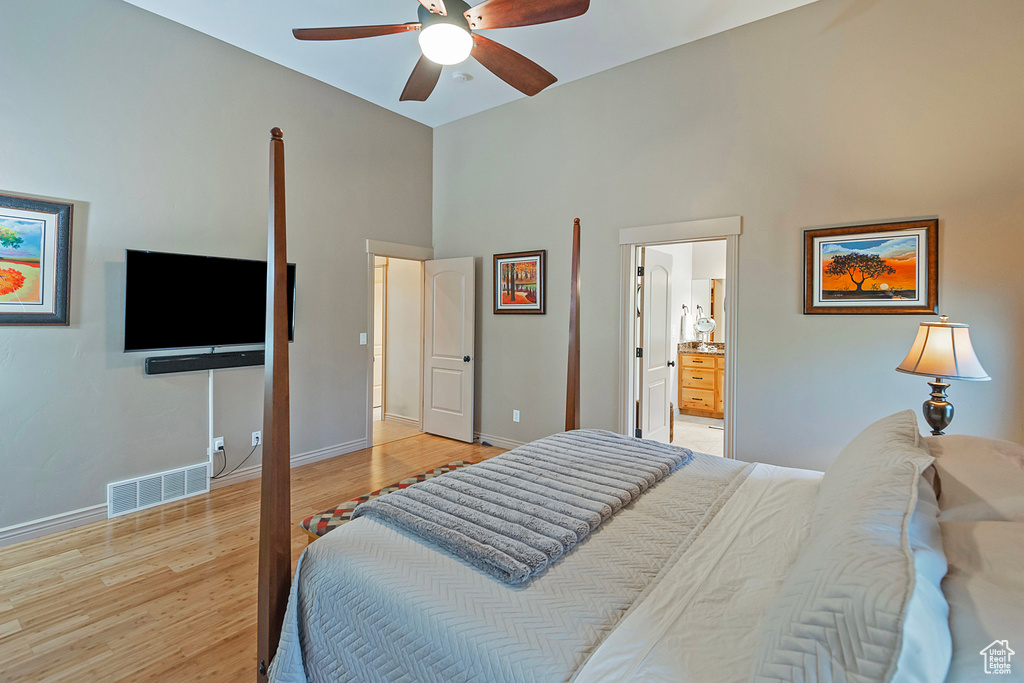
column 893, row 565
column 723, row 571
column 375, row 603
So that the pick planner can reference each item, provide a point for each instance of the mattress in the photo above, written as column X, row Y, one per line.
column 372, row 603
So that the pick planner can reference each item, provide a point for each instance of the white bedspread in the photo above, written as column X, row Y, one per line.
column 372, row 603
column 701, row 622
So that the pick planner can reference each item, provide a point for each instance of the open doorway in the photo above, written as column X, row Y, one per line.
column 679, row 381
column 397, row 348
column 684, row 302
column 426, row 318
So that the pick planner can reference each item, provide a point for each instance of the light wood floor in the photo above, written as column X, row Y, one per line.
column 169, row 594
column 386, row 432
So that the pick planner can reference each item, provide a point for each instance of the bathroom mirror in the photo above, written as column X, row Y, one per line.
column 710, row 296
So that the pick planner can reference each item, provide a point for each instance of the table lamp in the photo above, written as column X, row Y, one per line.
column 942, row 350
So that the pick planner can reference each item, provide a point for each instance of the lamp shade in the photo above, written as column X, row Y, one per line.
column 943, row 350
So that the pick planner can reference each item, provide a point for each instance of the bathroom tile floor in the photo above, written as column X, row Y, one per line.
column 699, row 434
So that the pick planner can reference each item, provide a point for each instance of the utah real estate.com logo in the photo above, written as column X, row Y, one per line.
column 997, row 657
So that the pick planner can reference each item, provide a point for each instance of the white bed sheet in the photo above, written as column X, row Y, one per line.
column 702, row 621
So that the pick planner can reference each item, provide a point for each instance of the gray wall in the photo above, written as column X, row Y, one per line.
column 159, row 134
column 840, row 111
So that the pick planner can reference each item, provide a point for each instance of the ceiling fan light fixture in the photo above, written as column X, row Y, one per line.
column 446, row 43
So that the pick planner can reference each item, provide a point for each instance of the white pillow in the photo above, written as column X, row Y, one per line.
column 862, row 601
column 985, row 590
column 889, row 442
column 981, row 479
column 927, row 645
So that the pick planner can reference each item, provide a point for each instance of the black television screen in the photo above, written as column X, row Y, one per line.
column 179, row 301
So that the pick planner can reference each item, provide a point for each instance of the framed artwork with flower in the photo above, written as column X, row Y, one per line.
column 882, row 268
column 520, row 282
column 35, row 261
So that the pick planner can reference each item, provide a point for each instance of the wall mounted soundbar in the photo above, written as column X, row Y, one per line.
column 162, row 365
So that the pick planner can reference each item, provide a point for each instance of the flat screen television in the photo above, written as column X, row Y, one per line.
column 181, row 301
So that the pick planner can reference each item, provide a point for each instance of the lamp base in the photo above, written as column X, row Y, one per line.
column 938, row 412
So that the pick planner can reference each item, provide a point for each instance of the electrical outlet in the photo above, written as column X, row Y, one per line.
column 515, row 416
column 218, row 444
column 257, row 438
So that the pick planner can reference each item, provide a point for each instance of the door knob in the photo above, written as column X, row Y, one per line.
column 671, row 363
column 465, row 359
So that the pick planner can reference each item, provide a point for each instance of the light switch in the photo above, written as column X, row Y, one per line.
column 362, row 339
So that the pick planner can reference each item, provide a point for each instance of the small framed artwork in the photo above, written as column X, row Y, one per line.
column 35, row 261
column 520, row 282
column 884, row 268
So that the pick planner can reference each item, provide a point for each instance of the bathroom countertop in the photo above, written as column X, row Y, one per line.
column 691, row 348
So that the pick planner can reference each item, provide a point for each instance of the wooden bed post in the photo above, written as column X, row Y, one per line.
column 275, row 564
column 572, row 389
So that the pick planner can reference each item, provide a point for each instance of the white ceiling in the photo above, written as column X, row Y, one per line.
column 376, row 69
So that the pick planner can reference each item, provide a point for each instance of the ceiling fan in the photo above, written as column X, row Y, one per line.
column 447, row 36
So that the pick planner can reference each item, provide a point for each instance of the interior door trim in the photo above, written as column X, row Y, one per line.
column 731, row 228
column 402, row 251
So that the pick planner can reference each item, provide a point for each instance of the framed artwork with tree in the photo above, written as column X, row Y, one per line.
column 520, row 282
column 880, row 268
column 35, row 261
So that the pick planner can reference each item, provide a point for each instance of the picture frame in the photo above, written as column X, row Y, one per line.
column 872, row 269
column 520, row 283
column 35, row 261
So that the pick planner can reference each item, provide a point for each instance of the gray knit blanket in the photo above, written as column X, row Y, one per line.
column 515, row 514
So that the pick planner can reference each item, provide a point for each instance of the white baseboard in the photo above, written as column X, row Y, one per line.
column 329, row 452
column 402, row 420
column 297, row 461
column 52, row 524
column 499, row 441
column 98, row 513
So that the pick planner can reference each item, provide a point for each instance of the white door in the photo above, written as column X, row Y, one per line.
column 449, row 306
column 658, row 354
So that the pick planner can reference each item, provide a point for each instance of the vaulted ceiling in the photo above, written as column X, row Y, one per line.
column 376, row 69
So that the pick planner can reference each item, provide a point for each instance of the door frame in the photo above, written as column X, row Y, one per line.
column 384, row 332
column 730, row 228
column 407, row 252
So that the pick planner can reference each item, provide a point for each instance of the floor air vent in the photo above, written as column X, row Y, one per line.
column 145, row 492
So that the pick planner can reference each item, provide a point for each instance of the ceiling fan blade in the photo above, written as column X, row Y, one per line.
column 422, row 81
column 508, row 13
column 351, row 32
column 510, row 66
column 435, row 7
